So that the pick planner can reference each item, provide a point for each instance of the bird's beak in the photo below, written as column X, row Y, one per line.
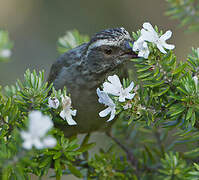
column 128, row 49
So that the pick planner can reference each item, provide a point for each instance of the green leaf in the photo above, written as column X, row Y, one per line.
column 179, row 69
column 157, row 70
column 163, row 91
column 86, row 147
column 182, row 90
column 143, row 69
column 57, row 165
column 193, row 153
column 57, row 155
column 178, row 111
column 45, row 162
column 71, row 40
column 75, row 171
column 145, row 75
column 189, row 113
column 150, row 154
column 193, row 119
column 196, row 166
column 7, row 106
column 172, row 62
column 86, row 139
column 154, row 84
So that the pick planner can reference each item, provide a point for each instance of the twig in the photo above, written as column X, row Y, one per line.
column 129, row 154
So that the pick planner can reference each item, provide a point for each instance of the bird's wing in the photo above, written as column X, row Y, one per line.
column 67, row 59
column 56, row 67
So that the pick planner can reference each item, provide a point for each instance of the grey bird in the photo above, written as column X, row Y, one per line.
column 83, row 69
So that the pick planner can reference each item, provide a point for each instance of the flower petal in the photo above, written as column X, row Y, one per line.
column 111, row 89
column 195, row 78
column 148, row 27
column 49, row 142
column 113, row 111
column 63, row 114
column 146, row 54
column 25, row 135
column 114, row 87
column 130, row 96
column 67, row 115
column 169, row 46
column 105, row 112
column 99, row 94
column 39, row 123
column 66, row 102
column 141, row 54
column 38, row 144
column 121, row 98
column 115, row 81
column 53, row 102
column 135, row 46
column 130, row 87
column 104, row 98
column 73, row 112
column 138, row 45
column 70, row 120
column 159, row 46
column 166, row 35
column 27, row 144
column 148, row 36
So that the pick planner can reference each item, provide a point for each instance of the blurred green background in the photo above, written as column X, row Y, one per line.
column 35, row 25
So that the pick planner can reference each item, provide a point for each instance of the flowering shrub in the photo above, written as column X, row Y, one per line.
column 155, row 116
column 186, row 11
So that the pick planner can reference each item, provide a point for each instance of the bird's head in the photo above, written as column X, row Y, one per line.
column 108, row 49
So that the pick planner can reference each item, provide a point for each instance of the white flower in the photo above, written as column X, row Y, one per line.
column 5, row 53
column 115, row 88
column 53, row 102
column 195, row 78
column 141, row 46
column 67, row 112
column 149, row 34
column 197, row 51
column 107, row 101
column 39, row 125
column 49, row 142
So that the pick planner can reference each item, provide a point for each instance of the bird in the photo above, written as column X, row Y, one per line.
column 83, row 69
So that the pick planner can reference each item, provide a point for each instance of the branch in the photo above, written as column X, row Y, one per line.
column 130, row 156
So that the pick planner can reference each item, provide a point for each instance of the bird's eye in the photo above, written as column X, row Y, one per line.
column 108, row 51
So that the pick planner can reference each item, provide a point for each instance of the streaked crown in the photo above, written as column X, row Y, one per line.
column 111, row 37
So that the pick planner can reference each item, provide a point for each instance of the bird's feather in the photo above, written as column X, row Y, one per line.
column 65, row 60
